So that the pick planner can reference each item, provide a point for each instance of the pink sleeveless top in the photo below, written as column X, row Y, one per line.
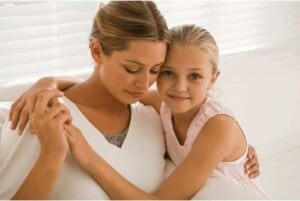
column 232, row 171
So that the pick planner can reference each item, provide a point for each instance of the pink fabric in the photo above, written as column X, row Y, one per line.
column 230, row 171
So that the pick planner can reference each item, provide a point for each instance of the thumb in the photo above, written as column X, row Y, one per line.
column 69, row 135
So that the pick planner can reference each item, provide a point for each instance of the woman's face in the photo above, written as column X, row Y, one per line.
column 185, row 78
column 128, row 74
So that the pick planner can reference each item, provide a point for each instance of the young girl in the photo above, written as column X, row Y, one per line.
column 203, row 138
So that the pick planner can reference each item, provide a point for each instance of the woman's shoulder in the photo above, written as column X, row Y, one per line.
column 140, row 108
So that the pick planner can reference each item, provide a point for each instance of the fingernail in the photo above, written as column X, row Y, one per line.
column 19, row 131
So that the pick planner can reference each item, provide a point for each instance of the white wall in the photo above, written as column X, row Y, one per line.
column 263, row 90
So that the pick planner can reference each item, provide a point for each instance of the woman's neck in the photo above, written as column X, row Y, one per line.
column 92, row 93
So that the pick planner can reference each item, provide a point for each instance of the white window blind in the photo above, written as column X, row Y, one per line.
column 39, row 38
column 44, row 38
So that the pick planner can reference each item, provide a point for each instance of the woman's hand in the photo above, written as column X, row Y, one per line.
column 79, row 147
column 48, row 123
column 252, row 164
column 19, row 111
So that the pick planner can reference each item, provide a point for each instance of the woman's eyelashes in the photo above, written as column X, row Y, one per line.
column 133, row 70
column 130, row 69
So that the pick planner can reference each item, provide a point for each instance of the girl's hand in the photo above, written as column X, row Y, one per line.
column 79, row 147
column 19, row 111
column 252, row 164
column 48, row 123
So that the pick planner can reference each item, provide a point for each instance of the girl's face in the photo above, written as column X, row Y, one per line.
column 128, row 74
column 185, row 78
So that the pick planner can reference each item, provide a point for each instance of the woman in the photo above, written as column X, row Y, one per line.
column 128, row 43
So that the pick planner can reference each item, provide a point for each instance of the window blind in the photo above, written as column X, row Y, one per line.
column 39, row 38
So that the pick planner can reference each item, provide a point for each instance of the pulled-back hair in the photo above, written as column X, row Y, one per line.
column 118, row 22
column 196, row 36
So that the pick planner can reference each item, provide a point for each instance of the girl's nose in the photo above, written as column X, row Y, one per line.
column 180, row 85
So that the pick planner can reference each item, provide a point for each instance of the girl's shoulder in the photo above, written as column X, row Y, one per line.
column 212, row 107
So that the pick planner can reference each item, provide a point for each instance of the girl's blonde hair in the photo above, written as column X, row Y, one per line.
column 118, row 22
column 196, row 36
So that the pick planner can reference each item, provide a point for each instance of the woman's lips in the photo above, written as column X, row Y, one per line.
column 136, row 94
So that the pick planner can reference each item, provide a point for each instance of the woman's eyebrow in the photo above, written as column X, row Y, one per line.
column 136, row 62
column 141, row 64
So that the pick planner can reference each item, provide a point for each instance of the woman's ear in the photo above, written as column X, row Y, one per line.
column 96, row 50
column 213, row 79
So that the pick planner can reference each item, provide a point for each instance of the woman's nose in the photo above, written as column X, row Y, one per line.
column 142, row 82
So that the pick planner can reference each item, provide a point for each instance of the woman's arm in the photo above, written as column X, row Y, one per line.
column 19, row 111
column 49, row 124
column 152, row 98
column 214, row 144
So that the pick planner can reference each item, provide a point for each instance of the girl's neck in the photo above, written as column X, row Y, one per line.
column 186, row 117
column 182, row 121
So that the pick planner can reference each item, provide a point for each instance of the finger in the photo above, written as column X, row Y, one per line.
column 13, row 107
column 62, row 119
column 24, row 117
column 251, row 152
column 53, row 102
column 250, row 163
column 43, row 99
column 252, row 169
column 17, row 108
column 254, row 175
column 70, row 136
column 54, row 111
column 71, row 129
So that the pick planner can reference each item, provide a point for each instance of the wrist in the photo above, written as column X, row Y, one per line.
column 92, row 163
column 48, row 81
column 48, row 156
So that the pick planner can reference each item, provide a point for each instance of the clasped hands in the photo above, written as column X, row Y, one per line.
column 51, row 122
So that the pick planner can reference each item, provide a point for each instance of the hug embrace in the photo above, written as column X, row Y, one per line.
column 107, row 137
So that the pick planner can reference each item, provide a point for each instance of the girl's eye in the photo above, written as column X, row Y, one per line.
column 166, row 73
column 195, row 76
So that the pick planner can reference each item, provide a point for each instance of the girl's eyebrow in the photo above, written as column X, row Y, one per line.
column 167, row 66
column 195, row 69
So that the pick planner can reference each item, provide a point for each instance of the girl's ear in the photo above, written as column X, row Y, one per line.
column 96, row 50
column 213, row 79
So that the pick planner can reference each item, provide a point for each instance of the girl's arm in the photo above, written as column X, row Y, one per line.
column 217, row 141
column 41, row 179
column 152, row 98
column 19, row 111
